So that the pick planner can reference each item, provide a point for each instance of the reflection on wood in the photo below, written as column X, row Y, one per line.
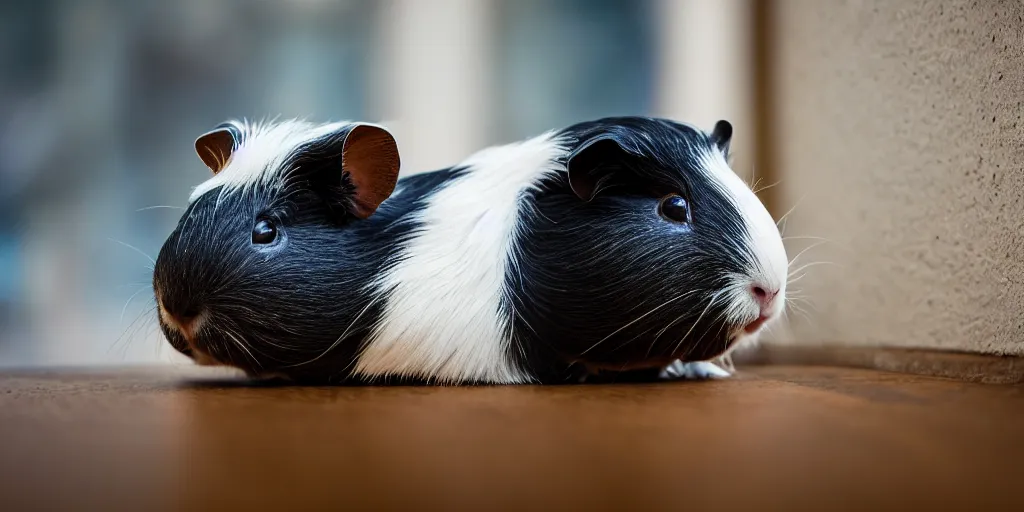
column 771, row 439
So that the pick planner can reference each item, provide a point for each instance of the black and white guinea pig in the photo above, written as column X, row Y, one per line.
column 617, row 245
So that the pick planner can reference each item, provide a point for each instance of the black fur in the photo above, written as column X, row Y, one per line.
column 591, row 268
column 598, row 281
column 282, row 308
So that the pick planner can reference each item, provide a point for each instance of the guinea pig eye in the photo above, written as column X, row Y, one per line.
column 675, row 209
column 264, row 232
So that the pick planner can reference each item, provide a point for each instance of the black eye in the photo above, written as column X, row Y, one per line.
column 264, row 232
column 675, row 209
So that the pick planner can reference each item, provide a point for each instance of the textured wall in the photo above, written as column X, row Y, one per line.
column 898, row 137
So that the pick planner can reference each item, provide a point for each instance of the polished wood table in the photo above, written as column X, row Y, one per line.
column 775, row 438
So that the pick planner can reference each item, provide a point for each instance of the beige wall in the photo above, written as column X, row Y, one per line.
column 705, row 70
column 898, row 137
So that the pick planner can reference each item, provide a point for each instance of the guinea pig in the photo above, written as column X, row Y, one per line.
column 612, row 246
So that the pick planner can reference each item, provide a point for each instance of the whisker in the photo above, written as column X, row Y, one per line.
column 129, row 301
column 806, row 238
column 815, row 264
column 794, row 278
column 806, row 316
column 242, row 346
column 129, row 332
column 144, row 331
column 340, row 338
column 663, row 331
column 191, row 215
column 641, row 317
column 786, row 215
column 799, row 300
column 762, row 189
column 160, row 206
column 801, row 253
column 136, row 249
column 711, row 302
column 680, row 317
column 137, row 285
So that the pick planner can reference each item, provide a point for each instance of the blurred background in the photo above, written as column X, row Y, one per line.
column 888, row 132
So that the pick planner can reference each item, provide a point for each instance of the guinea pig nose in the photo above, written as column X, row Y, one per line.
column 183, row 310
column 764, row 295
column 190, row 312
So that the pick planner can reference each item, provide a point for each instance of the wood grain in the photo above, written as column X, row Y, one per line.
column 775, row 438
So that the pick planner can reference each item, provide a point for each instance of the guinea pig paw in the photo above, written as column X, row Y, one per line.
column 695, row 370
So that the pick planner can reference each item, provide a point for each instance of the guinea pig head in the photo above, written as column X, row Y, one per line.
column 673, row 251
column 251, row 275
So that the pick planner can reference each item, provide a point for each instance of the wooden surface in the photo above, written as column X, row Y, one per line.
column 982, row 368
column 776, row 438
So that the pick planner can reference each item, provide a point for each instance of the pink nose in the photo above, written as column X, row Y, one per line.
column 765, row 297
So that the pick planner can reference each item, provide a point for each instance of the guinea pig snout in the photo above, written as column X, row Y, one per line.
column 181, row 311
column 764, row 296
column 767, row 298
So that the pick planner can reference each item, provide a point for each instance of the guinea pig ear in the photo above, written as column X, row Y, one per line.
column 592, row 165
column 370, row 159
column 722, row 136
column 215, row 147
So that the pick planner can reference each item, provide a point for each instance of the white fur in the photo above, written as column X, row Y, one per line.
column 453, row 329
column 694, row 370
column 771, row 264
column 264, row 148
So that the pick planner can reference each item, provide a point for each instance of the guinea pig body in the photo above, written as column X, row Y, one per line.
column 614, row 245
